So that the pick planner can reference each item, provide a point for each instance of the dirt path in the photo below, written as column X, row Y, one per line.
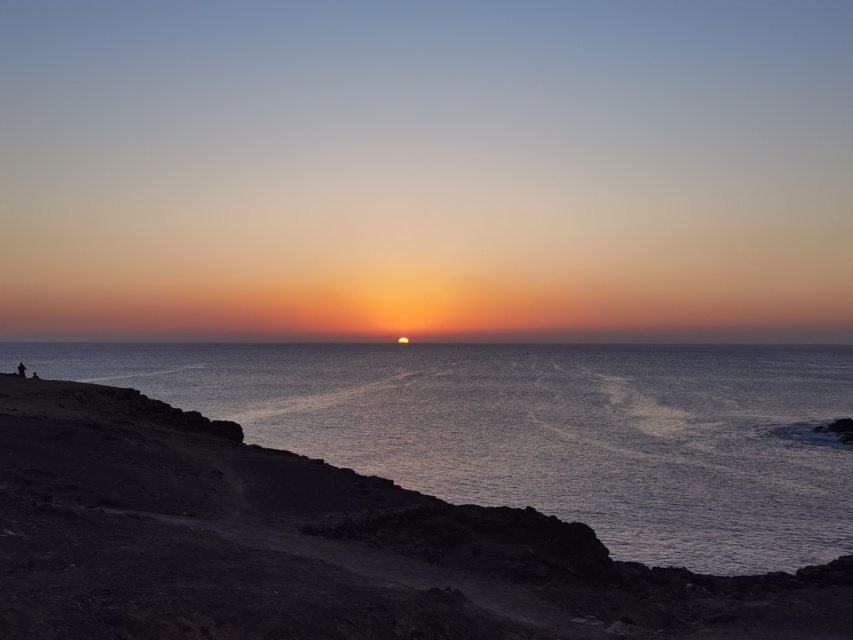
column 505, row 599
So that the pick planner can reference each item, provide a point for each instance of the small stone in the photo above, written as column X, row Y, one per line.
column 618, row 629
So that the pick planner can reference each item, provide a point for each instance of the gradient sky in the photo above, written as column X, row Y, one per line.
column 475, row 171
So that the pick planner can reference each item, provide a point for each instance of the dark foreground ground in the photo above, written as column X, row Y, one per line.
column 121, row 517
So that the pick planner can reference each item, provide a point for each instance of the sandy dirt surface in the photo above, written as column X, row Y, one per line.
column 121, row 517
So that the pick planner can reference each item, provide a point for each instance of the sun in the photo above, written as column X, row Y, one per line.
column 403, row 341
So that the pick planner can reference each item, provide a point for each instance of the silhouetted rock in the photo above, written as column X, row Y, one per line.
column 837, row 572
column 227, row 429
column 842, row 426
column 138, row 405
column 521, row 545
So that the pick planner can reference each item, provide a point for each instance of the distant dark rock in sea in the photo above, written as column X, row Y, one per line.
column 841, row 426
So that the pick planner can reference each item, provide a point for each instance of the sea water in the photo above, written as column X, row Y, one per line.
column 694, row 456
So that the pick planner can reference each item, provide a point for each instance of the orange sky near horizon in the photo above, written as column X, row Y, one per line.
column 422, row 306
column 295, row 172
column 468, row 268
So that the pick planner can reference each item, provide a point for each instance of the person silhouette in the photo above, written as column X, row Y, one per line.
column 36, row 376
column 22, row 370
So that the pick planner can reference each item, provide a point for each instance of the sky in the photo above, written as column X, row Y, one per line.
column 466, row 171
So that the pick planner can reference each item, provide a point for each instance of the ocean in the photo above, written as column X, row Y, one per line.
column 695, row 456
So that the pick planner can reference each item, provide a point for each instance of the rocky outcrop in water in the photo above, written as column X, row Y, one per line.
column 843, row 427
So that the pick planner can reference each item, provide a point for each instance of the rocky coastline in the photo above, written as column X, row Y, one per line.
column 123, row 517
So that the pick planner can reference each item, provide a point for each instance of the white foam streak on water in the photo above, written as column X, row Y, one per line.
column 647, row 414
column 691, row 456
column 315, row 402
column 146, row 374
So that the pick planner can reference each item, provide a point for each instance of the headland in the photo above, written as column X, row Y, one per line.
column 123, row 517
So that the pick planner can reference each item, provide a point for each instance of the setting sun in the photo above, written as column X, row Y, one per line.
column 403, row 341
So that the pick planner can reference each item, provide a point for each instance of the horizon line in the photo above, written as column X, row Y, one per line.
column 415, row 343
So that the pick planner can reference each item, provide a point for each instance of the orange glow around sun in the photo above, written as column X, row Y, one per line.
column 373, row 305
